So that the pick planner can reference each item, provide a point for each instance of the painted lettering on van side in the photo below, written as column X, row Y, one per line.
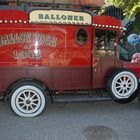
column 28, row 37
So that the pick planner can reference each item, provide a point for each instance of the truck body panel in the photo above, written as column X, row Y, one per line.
column 50, row 51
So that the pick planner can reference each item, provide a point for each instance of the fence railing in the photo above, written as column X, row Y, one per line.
column 115, row 12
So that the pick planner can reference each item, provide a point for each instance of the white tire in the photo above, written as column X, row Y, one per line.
column 123, row 84
column 28, row 100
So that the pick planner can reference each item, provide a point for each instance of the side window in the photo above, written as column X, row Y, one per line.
column 105, row 43
column 82, row 36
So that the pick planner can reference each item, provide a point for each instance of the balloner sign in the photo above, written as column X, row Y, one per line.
column 60, row 17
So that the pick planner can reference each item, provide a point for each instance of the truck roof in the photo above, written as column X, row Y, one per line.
column 58, row 16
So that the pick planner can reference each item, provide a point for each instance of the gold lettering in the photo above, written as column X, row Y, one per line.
column 36, row 36
column 22, row 38
column 30, row 54
column 1, row 40
column 28, row 37
column 48, row 40
column 15, row 54
column 6, row 39
column 23, row 54
column 53, row 42
column 38, row 55
column 12, row 39
column 42, row 39
column 16, row 38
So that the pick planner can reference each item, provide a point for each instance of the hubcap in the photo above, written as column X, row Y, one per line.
column 28, row 101
column 124, row 85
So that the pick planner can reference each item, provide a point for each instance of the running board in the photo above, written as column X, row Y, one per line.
column 1, row 98
column 79, row 99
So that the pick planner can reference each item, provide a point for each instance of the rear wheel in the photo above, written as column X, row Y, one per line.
column 28, row 99
column 123, row 86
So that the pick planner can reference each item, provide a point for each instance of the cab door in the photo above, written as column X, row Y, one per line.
column 104, row 56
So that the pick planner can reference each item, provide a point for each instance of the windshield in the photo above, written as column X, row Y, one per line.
column 129, row 49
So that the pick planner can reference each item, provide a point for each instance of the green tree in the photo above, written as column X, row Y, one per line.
column 130, row 7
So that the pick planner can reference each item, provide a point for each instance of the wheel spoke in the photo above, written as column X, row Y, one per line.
column 23, row 106
column 27, row 107
column 129, row 84
column 127, row 90
column 22, row 98
column 31, row 107
column 129, row 87
column 29, row 94
column 124, row 78
column 21, row 102
column 121, row 79
column 33, row 96
column 118, row 83
column 120, row 90
column 34, row 100
column 123, row 92
column 118, row 87
column 34, row 104
column 127, row 81
column 24, row 94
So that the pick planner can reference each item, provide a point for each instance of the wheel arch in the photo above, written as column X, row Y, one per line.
column 22, row 80
column 117, row 70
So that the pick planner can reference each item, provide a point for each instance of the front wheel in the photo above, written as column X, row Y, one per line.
column 28, row 99
column 123, row 86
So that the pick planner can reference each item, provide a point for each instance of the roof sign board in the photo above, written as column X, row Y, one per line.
column 60, row 17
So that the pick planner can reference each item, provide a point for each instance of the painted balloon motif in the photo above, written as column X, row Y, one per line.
column 133, row 39
column 136, row 58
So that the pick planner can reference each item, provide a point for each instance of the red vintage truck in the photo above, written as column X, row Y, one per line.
column 46, row 54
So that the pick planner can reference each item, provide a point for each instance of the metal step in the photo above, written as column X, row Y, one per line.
column 79, row 99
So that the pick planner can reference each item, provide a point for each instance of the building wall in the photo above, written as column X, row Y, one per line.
column 79, row 2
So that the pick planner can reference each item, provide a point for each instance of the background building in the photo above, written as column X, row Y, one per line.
column 77, row 2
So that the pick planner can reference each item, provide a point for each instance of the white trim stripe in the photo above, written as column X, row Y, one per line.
column 73, row 23
column 13, row 21
column 109, row 26
column 55, row 22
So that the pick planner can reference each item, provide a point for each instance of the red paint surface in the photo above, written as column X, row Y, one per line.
column 107, row 20
column 66, row 65
column 13, row 15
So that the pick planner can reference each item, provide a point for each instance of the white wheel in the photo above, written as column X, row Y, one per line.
column 123, row 84
column 28, row 100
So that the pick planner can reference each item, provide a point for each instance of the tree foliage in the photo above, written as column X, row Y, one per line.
column 130, row 7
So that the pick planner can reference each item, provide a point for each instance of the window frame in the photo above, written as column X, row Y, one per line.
column 76, row 37
column 113, row 50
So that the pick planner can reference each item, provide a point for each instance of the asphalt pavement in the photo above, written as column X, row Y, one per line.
column 81, row 121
